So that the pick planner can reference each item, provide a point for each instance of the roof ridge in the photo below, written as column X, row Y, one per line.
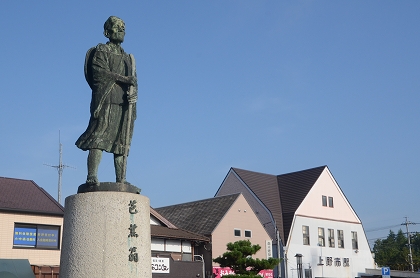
column 15, row 179
column 234, row 169
column 198, row 201
column 313, row 168
column 300, row 171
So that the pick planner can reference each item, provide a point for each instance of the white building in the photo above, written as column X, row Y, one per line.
column 313, row 219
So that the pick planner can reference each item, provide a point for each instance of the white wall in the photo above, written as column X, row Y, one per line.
column 154, row 221
column 358, row 261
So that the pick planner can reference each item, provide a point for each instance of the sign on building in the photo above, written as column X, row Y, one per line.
column 269, row 249
column 160, row 265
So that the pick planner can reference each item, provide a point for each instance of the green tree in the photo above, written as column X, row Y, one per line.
column 239, row 259
column 415, row 245
column 393, row 251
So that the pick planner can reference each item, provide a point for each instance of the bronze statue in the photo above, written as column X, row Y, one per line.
column 110, row 73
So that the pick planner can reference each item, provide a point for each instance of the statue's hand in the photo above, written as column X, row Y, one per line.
column 131, row 80
column 132, row 98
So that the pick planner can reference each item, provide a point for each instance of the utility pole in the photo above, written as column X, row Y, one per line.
column 410, row 254
column 60, row 167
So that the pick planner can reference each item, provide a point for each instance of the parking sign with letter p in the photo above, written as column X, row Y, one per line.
column 386, row 272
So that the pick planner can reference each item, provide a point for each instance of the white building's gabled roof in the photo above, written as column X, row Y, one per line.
column 339, row 210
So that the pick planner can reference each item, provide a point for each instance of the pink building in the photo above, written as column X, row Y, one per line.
column 223, row 219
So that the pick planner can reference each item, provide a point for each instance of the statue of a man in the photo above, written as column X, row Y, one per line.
column 110, row 73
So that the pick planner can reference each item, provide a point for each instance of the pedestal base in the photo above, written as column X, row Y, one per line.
column 108, row 186
column 106, row 234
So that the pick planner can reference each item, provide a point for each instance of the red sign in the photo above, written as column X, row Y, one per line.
column 219, row 272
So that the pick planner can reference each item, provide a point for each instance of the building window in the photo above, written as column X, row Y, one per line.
column 340, row 238
column 305, row 232
column 330, row 202
column 321, row 237
column 247, row 233
column 324, row 201
column 354, row 242
column 237, row 232
column 331, row 242
column 36, row 236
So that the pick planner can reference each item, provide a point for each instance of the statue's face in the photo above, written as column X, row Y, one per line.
column 117, row 32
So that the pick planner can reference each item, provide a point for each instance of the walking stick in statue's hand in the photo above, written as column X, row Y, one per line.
column 129, row 115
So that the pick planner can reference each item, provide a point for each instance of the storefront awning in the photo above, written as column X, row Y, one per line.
column 15, row 268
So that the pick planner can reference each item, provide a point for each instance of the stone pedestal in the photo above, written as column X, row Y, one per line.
column 106, row 234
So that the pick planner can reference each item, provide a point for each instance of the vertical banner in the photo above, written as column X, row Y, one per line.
column 269, row 249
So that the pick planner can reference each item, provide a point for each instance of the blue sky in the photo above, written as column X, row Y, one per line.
column 267, row 86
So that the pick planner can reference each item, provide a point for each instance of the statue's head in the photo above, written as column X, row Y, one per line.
column 114, row 29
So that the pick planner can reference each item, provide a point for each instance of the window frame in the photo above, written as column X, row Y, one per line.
column 237, row 230
column 324, row 201
column 305, row 234
column 321, row 237
column 331, row 239
column 248, row 231
column 340, row 239
column 40, row 241
column 354, row 240
column 330, row 202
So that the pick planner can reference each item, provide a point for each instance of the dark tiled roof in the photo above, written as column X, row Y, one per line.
column 265, row 187
column 162, row 219
column 26, row 196
column 169, row 230
column 175, row 233
column 200, row 217
column 281, row 194
column 293, row 188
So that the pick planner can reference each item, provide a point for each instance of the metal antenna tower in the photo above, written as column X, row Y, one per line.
column 60, row 167
column 410, row 254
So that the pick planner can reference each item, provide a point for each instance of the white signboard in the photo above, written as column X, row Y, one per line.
column 160, row 265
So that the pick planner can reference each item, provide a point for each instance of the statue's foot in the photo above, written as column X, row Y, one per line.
column 123, row 181
column 93, row 180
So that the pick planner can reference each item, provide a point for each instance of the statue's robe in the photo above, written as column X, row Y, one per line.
column 107, row 129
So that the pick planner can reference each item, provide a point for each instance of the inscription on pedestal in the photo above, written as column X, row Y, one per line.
column 133, row 256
